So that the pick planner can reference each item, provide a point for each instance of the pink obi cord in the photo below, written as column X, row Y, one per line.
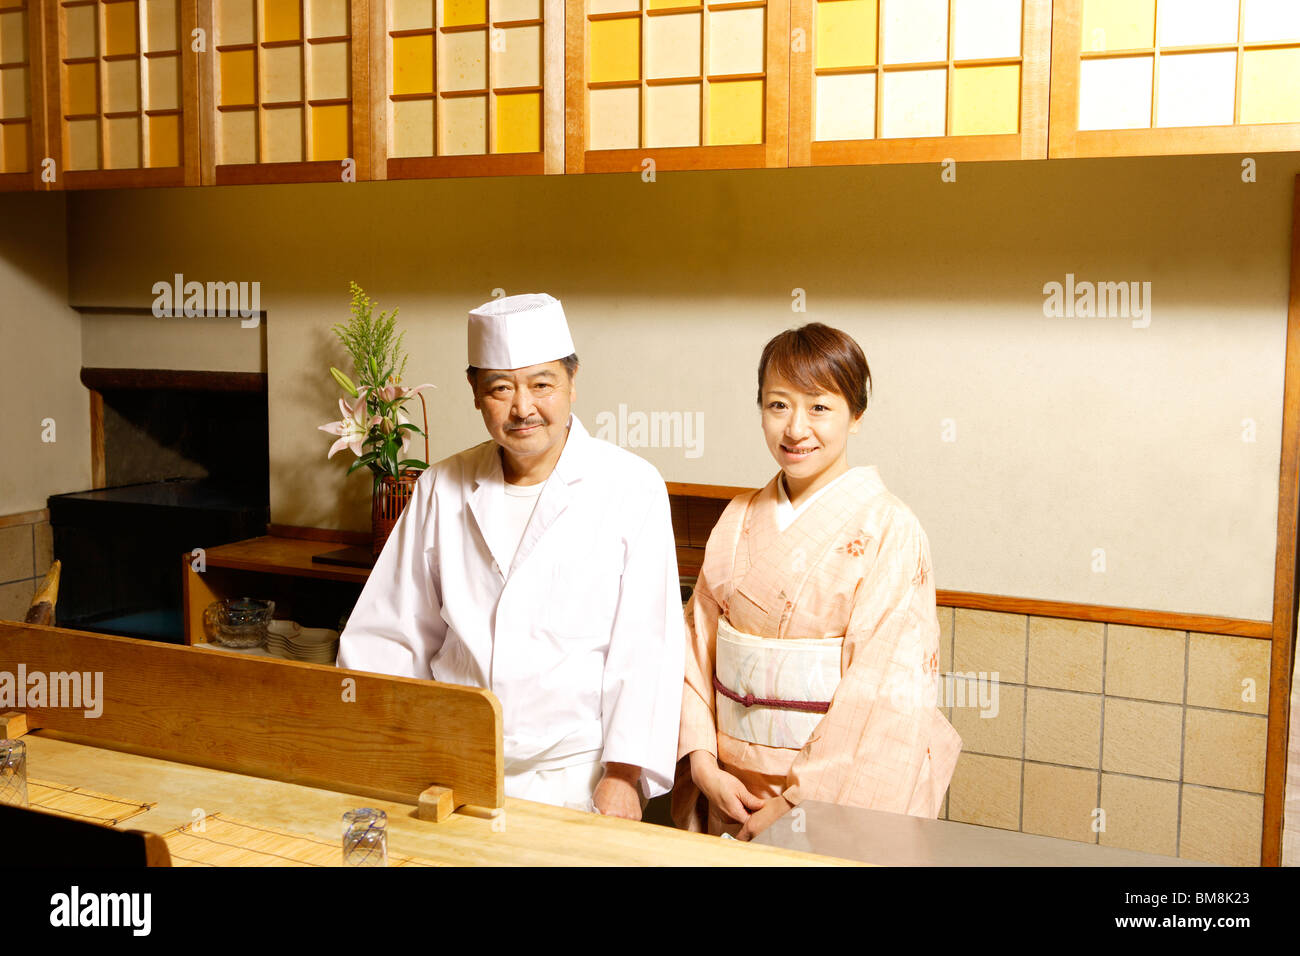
column 749, row 700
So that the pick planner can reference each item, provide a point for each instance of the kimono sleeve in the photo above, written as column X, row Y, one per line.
column 642, row 684
column 396, row 626
column 873, row 746
column 699, row 730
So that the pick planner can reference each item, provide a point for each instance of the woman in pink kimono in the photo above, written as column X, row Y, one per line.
column 813, row 640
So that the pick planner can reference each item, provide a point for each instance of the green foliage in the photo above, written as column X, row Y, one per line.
column 377, row 355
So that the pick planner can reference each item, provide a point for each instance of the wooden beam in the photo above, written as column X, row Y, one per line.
column 104, row 379
column 1284, row 576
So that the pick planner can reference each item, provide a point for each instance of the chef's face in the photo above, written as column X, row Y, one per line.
column 526, row 410
column 806, row 433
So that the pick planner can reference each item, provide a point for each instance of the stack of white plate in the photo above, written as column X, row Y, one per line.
column 316, row 645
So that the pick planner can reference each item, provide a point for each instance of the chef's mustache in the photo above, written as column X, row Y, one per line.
column 531, row 423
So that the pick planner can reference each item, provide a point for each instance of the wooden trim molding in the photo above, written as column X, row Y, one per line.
column 105, row 379
column 1137, row 617
column 25, row 517
column 98, row 469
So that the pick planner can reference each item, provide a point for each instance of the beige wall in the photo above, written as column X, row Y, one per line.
column 40, row 358
column 122, row 339
column 1071, row 434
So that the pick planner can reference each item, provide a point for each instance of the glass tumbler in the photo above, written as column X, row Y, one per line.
column 365, row 838
column 13, row 773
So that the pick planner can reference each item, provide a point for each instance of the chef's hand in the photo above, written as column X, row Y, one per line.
column 723, row 790
column 773, row 810
column 616, row 794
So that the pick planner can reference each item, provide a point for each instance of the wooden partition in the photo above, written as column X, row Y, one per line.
column 386, row 737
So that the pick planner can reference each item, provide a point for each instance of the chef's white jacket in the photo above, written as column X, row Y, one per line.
column 581, row 637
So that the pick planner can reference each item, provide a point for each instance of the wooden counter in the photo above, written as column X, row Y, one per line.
column 527, row 834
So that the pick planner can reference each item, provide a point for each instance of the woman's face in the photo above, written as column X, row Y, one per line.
column 806, row 434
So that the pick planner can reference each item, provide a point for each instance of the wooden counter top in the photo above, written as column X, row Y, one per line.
column 528, row 834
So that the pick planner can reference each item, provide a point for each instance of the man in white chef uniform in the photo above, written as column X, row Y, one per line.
column 541, row 565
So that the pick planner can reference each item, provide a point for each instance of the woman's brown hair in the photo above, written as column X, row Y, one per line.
column 818, row 358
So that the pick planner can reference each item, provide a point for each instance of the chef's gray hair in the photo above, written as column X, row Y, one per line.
column 570, row 366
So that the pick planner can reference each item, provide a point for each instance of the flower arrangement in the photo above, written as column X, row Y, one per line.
column 374, row 425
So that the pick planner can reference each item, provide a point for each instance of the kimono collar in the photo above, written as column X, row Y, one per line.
column 570, row 467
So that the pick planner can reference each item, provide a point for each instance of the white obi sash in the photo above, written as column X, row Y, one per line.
column 771, row 675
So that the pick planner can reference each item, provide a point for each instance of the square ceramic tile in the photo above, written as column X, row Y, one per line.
column 1228, row 673
column 1225, row 750
column 996, row 729
column 1140, row 814
column 1141, row 738
column 1063, row 727
column 1061, row 802
column 16, row 553
column 44, row 545
column 1219, row 826
column 1145, row 662
column 1066, row 654
column 15, row 599
column 989, row 642
column 985, row 791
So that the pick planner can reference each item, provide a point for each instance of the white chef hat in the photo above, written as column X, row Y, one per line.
column 518, row 331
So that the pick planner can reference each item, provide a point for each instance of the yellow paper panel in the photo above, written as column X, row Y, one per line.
column 464, row 60
column 15, row 148
column 846, row 106
column 412, row 131
column 121, row 30
column 615, row 52
column 80, row 26
column 735, row 112
column 914, row 31
column 1197, row 89
column 121, row 93
column 672, row 115
column 328, row 18
column 985, row 28
column 516, row 10
column 14, row 95
column 160, row 24
column 464, row 126
column 236, row 77
column 520, row 63
column 164, row 84
column 281, row 74
column 235, row 21
column 282, row 135
column 1185, row 22
column 81, row 87
column 846, row 33
column 660, row 4
column 13, row 37
column 1119, row 24
column 281, row 20
column 985, row 100
column 624, row 6
column 913, row 103
column 614, row 118
column 1265, row 20
column 736, row 41
column 123, row 143
column 411, row 14
column 238, row 137
column 457, row 13
column 1115, row 94
column 330, row 69
column 519, row 123
column 164, row 141
column 83, row 144
column 1269, row 83
column 329, row 132
column 413, row 64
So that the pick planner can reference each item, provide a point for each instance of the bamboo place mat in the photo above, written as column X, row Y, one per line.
column 82, row 804
column 227, row 842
